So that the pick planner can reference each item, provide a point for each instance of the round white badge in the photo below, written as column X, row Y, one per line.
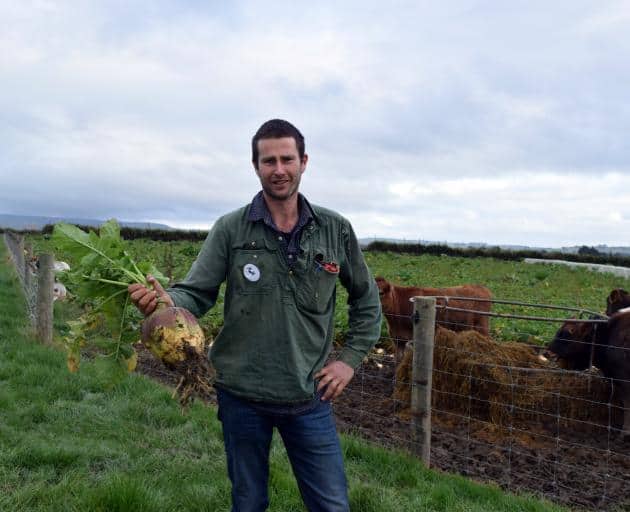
column 251, row 272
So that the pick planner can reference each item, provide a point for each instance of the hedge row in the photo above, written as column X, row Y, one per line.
column 498, row 253
column 160, row 235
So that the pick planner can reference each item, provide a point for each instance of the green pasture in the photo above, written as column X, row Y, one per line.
column 509, row 280
column 546, row 284
column 69, row 443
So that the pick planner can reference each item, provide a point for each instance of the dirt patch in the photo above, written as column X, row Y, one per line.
column 585, row 469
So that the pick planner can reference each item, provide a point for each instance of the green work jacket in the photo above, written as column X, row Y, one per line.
column 278, row 320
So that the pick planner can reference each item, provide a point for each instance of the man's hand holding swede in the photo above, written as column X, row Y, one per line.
column 145, row 299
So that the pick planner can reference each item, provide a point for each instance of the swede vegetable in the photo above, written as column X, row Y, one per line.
column 102, row 269
column 174, row 336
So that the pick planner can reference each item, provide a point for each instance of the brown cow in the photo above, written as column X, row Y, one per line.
column 606, row 346
column 398, row 309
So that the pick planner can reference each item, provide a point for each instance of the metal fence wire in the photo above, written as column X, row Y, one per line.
column 21, row 257
column 36, row 276
column 501, row 412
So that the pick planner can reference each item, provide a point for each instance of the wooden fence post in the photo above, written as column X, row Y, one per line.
column 421, row 375
column 44, row 308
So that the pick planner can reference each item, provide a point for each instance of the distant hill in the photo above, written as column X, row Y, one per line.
column 32, row 222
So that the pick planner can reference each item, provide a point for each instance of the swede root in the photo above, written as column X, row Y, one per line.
column 174, row 336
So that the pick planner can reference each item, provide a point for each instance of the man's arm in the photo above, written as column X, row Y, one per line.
column 199, row 290
column 364, row 305
column 364, row 318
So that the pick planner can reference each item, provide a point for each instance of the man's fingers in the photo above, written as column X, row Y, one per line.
column 137, row 294
column 160, row 292
column 156, row 285
column 333, row 379
column 132, row 288
column 332, row 386
column 324, row 381
column 333, row 390
column 151, row 307
column 146, row 299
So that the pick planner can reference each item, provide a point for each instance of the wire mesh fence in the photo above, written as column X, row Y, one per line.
column 502, row 412
column 37, row 279
column 21, row 257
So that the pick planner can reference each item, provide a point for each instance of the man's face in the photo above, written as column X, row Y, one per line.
column 279, row 167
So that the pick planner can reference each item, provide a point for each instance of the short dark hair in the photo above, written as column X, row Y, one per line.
column 276, row 129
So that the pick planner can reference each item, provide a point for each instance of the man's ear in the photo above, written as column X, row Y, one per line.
column 304, row 162
column 255, row 165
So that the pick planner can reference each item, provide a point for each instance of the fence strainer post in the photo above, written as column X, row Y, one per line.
column 421, row 375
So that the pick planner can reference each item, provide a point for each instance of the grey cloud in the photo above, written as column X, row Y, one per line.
column 153, row 104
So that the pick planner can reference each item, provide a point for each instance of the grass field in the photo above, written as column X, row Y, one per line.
column 67, row 443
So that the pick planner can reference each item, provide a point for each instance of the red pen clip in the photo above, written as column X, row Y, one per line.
column 329, row 266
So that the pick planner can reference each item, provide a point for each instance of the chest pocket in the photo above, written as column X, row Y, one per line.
column 318, row 287
column 254, row 268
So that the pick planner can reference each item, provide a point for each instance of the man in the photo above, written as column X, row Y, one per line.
column 280, row 257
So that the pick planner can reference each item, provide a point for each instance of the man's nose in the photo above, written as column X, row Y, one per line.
column 279, row 168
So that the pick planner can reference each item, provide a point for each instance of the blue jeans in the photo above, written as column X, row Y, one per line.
column 311, row 442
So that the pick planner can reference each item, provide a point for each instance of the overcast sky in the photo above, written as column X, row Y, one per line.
column 467, row 121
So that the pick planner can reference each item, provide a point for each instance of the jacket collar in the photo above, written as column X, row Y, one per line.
column 258, row 211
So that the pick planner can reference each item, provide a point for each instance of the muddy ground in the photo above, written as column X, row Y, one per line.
column 577, row 467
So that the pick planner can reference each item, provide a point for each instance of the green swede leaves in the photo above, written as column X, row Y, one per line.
column 101, row 271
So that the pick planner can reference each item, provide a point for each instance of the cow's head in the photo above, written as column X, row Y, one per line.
column 385, row 292
column 384, row 286
column 618, row 299
column 572, row 345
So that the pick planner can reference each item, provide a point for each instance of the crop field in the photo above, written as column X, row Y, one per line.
column 367, row 408
column 531, row 283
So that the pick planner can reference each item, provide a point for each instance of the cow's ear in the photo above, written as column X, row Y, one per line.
column 614, row 296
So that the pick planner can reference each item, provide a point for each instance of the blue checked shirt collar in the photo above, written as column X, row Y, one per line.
column 258, row 211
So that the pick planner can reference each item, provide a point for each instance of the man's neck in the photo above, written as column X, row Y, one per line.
column 285, row 213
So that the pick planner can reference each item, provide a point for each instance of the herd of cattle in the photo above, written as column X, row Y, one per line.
column 576, row 345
